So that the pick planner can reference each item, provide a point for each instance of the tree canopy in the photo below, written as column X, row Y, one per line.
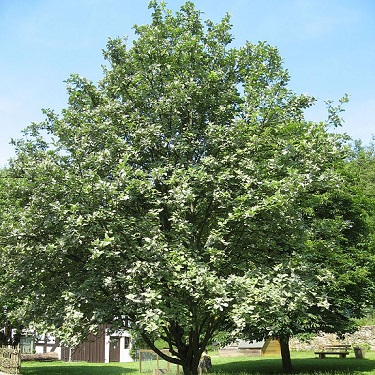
column 185, row 191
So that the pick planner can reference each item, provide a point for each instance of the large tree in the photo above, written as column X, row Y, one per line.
column 162, row 191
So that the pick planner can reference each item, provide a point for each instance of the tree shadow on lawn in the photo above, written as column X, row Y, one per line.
column 251, row 366
column 83, row 369
column 300, row 366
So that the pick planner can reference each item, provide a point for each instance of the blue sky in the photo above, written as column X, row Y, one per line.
column 328, row 46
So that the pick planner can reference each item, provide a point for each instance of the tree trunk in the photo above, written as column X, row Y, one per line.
column 191, row 363
column 285, row 355
column 190, row 371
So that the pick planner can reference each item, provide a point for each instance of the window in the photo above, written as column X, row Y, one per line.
column 127, row 342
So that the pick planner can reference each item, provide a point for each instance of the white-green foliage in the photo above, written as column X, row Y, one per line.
column 281, row 301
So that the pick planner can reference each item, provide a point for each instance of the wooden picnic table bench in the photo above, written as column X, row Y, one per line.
column 341, row 350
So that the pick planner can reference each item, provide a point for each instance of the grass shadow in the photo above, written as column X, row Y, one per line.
column 76, row 369
column 302, row 364
column 334, row 365
column 273, row 366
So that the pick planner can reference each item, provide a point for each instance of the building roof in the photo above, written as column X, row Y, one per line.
column 242, row 344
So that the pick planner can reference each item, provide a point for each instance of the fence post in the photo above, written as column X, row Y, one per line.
column 10, row 360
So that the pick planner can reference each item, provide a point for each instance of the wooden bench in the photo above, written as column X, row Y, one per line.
column 341, row 350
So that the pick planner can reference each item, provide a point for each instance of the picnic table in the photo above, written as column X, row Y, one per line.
column 341, row 350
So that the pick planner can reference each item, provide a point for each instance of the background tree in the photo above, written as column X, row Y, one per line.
column 362, row 167
column 163, row 190
column 315, row 270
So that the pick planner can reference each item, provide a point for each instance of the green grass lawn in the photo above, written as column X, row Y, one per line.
column 303, row 363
